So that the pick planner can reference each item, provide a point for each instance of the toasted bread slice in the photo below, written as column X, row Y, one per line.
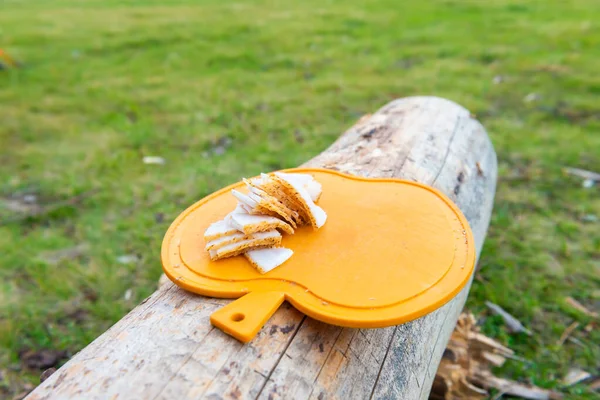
column 258, row 240
column 316, row 214
column 312, row 186
column 276, row 190
column 260, row 210
column 274, row 200
column 225, row 240
column 265, row 260
column 274, row 207
column 266, row 206
column 259, row 223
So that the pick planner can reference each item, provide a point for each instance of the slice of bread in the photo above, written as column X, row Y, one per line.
column 316, row 214
column 225, row 240
column 258, row 240
column 272, row 187
column 274, row 207
column 307, row 181
column 259, row 223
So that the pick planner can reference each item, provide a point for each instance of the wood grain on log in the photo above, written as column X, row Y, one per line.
column 166, row 348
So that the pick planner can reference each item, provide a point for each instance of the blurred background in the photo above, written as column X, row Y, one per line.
column 116, row 115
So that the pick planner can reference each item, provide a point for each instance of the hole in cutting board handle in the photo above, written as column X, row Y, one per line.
column 237, row 317
column 244, row 317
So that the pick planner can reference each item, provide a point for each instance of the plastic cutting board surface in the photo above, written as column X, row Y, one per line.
column 390, row 251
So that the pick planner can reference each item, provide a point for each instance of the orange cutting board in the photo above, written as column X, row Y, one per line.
column 391, row 251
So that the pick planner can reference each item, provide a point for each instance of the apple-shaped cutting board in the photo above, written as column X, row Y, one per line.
column 391, row 251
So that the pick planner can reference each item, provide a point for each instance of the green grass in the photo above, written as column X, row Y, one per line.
column 108, row 82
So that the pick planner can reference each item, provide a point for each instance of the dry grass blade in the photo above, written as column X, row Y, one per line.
column 590, row 327
column 577, row 342
column 595, row 384
column 582, row 173
column 513, row 324
column 575, row 375
column 567, row 333
column 580, row 307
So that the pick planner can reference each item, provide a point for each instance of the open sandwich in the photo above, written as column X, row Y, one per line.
column 275, row 203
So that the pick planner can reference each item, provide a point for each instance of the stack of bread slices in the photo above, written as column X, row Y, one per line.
column 275, row 203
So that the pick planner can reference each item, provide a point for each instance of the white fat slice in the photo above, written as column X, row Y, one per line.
column 225, row 240
column 246, row 209
column 302, row 179
column 244, row 199
column 316, row 214
column 256, row 192
column 307, row 181
column 258, row 223
column 239, row 209
column 272, row 204
column 219, row 229
column 258, row 240
column 255, row 197
column 267, row 204
column 314, row 189
column 265, row 260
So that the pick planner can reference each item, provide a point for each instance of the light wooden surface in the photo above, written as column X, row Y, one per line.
column 166, row 348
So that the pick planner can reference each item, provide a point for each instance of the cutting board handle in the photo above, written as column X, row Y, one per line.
column 244, row 317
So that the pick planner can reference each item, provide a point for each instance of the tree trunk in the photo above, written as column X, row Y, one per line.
column 166, row 348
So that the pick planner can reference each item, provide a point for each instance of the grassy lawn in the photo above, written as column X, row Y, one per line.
column 224, row 89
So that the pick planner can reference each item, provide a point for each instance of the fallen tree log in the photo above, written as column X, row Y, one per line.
column 166, row 348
